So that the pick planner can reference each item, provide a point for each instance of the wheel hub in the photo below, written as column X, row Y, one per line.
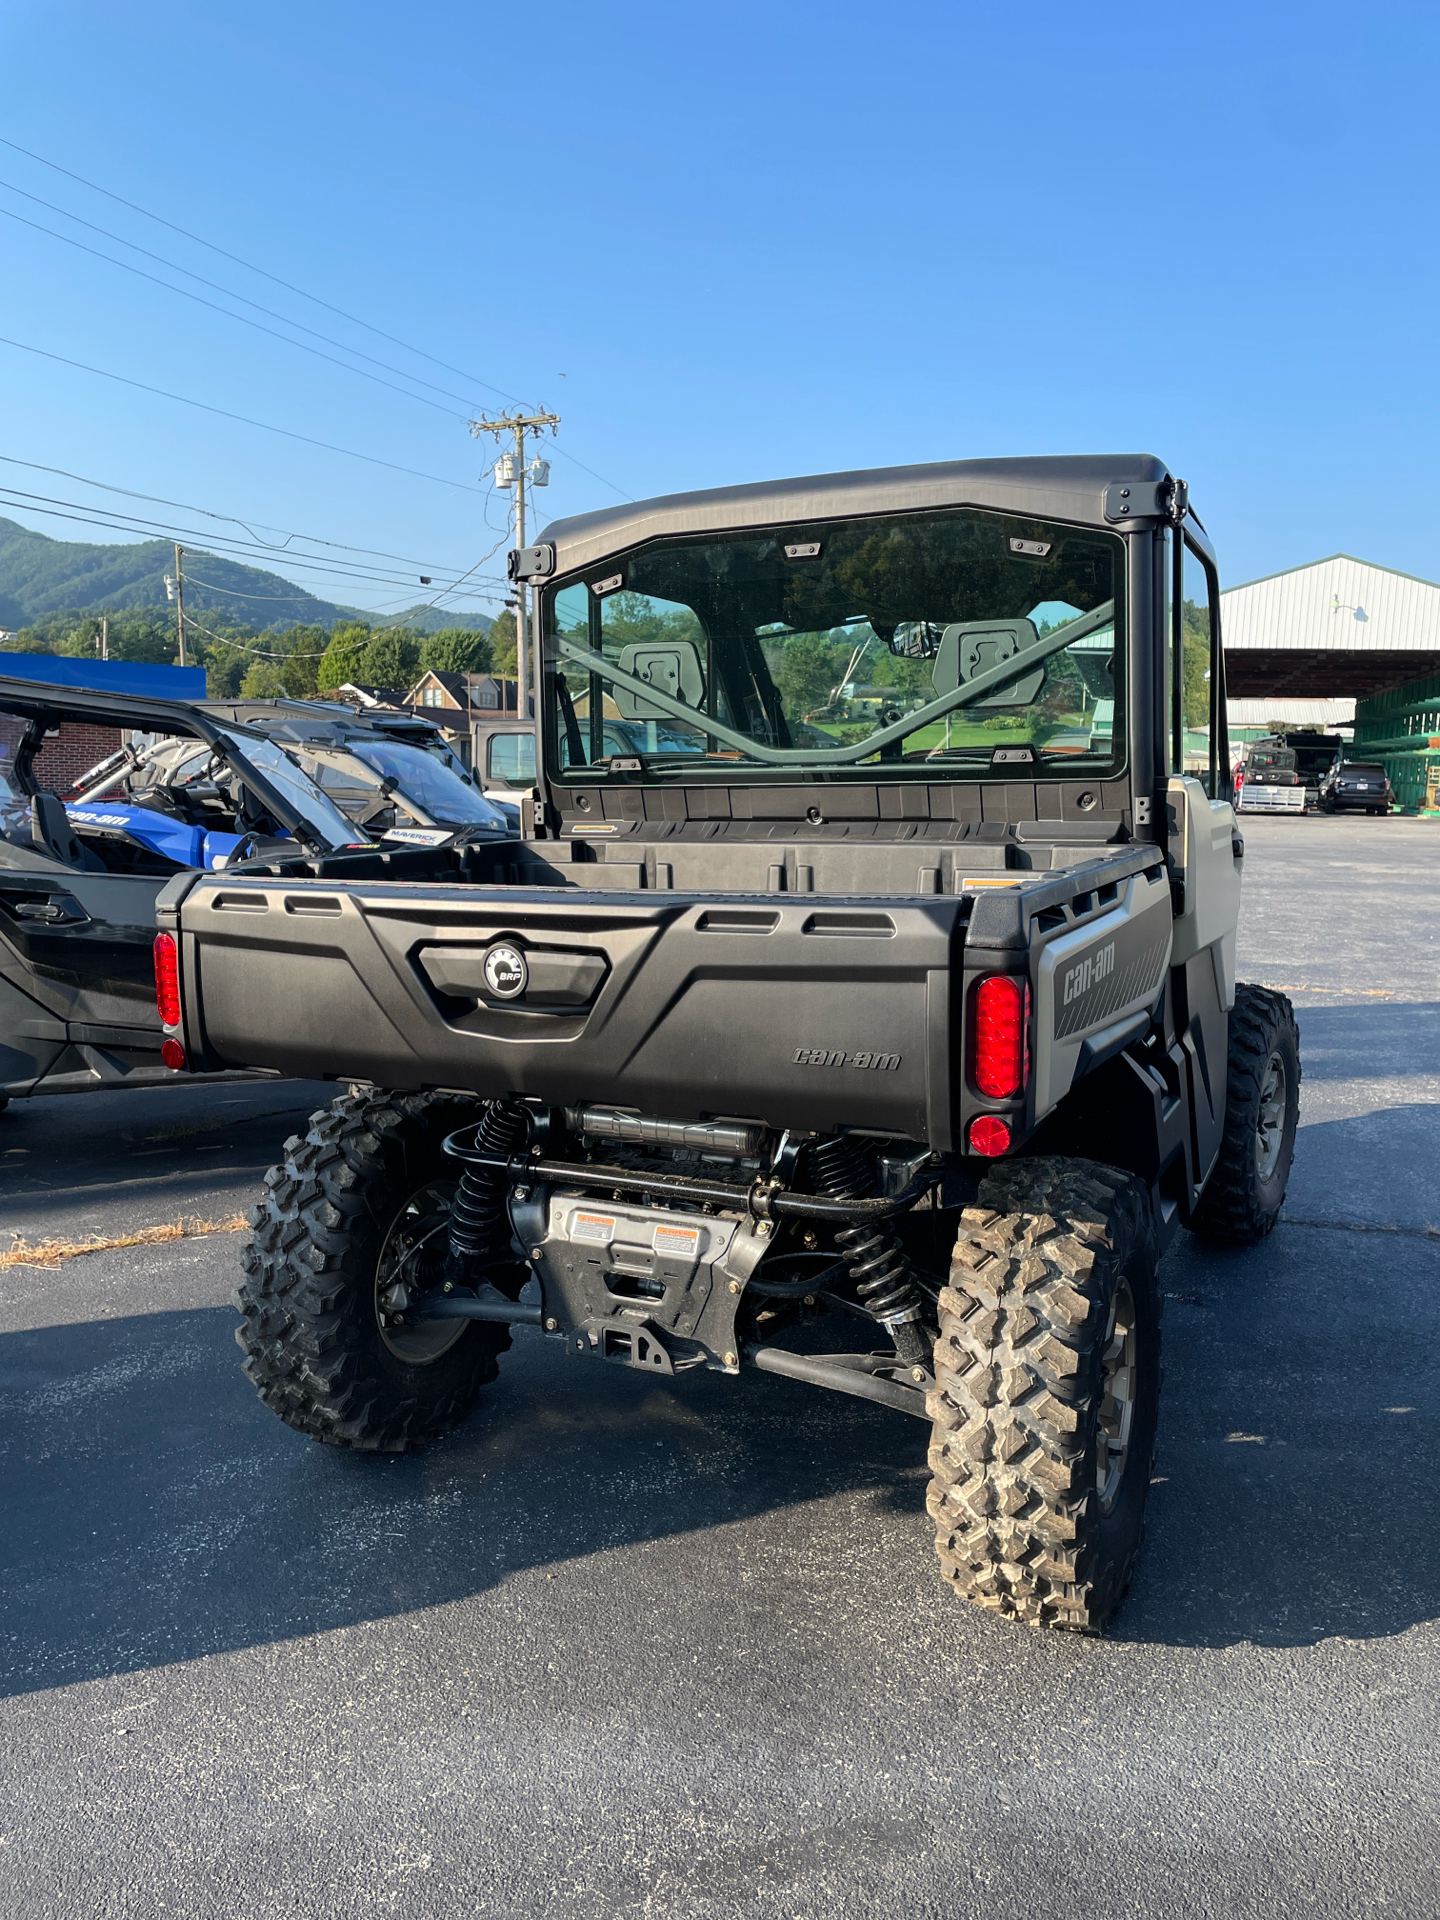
column 1117, row 1405
column 1270, row 1126
column 417, row 1229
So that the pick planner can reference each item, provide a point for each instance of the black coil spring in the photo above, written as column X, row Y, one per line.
column 479, row 1225
column 879, row 1266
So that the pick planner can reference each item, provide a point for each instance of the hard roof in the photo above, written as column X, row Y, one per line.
column 37, row 698
column 1050, row 487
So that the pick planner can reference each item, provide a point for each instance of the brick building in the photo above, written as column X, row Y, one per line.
column 71, row 750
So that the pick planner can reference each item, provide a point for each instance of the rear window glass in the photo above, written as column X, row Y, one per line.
column 511, row 758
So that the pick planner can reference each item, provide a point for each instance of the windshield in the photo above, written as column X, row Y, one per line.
column 934, row 644
column 429, row 781
column 329, row 825
column 1280, row 758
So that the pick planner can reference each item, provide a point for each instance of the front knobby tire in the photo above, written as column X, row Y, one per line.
column 1047, row 1374
column 1246, row 1188
column 367, row 1184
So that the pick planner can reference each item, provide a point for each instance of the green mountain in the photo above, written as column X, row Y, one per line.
column 39, row 575
column 424, row 619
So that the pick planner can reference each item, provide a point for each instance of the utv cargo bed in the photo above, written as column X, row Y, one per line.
column 758, row 1005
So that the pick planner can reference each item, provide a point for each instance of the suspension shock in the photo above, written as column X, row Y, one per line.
column 879, row 1266
column 479, row 1224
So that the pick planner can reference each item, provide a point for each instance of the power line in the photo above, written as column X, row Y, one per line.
column 244, row 319
column 210, row 513
column 592, row 473
column 349, row 646
column 277, row 599
column 153, row 529
column 80, row 516
column 250, row 267
column 445, row 595
column 122, row 522
column 225, row 414
column 289, row 286
column 215, row 287
column 224, row 640
column 362, row 580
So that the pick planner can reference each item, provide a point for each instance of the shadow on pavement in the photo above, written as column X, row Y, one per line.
column 1300, row 1427
column 155, row 1511
column 1372, row 1169
column 1375, row 1038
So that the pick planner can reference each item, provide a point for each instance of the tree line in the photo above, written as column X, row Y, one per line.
column 242, row 661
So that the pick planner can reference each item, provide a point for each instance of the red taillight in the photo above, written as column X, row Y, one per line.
column 167, row 980
column 989, row 1135
column 1002, row 1059
column 172, row 1054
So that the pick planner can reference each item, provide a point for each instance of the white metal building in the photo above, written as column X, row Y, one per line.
column 1337, row 629
column 1266, row 715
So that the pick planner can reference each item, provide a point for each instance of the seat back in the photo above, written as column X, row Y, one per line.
column 50, row 828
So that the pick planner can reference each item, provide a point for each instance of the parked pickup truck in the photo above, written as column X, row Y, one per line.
column 771, row 1026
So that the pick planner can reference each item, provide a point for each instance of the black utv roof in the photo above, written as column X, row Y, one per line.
column 45, row 700
column 1051, row 487
column 317, row 720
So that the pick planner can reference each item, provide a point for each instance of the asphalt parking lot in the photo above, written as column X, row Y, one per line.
column 617, row 1649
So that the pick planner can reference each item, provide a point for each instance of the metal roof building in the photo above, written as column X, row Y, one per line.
column 1339, row 628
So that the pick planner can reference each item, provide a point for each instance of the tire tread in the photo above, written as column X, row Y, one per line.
column 1231, row 1211
column 1017, row 1364
column 309, row 1272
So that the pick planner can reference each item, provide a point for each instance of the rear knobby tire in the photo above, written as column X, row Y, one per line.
column 1047, row 1373
column 1246, row 1188
column 370, row 1168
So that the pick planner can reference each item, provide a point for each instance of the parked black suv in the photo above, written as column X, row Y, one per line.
column 1356, row 786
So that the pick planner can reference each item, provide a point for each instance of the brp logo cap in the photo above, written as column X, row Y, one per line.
column 506, row 973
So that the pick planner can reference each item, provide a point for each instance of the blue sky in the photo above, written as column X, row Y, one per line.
column 731, row 242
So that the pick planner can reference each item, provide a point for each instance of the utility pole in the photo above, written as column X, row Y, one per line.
column 510, row 471
column 104, row 636
column 175, row 590
column 180, row 600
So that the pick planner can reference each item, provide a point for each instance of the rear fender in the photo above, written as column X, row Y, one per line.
column 1096, row 984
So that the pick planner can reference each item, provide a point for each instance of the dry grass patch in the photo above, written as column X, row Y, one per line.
column 50, row 1253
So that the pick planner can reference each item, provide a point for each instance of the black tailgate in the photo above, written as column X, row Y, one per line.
column 799, row 1010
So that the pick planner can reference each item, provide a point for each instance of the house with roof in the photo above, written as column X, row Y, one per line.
column 481, row 693
column 462, row 705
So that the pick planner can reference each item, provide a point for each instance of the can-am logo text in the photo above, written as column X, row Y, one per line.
column 1089, row 973
column 838, row 1057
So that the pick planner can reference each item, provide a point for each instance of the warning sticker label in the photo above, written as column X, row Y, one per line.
column 598, row 1228
column 681, row 1242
